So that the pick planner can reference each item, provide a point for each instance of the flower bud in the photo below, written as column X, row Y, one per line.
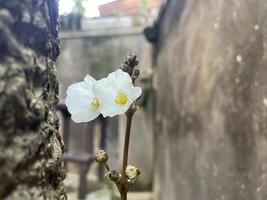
column 132, row 172
column 131, row 59
column 101, row 156
column 125, row 67
column 136, row 73
column 136, row 62
column 113, row 175
column 107, row 178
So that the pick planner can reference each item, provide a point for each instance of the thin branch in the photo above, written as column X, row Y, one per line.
column 107, row 167
column 126, row 145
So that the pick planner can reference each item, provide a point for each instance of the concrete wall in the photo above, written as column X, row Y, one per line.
column 211, row 122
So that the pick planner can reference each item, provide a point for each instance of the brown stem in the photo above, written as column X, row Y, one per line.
column 124, row 191
column 123, row 195
column 107, row 167
column 126, row 145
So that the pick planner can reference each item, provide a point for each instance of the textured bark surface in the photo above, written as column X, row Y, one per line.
column 30, row 144
column 212, row 101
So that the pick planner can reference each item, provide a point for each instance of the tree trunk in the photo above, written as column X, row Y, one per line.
column 30, row 144
column 211, row 121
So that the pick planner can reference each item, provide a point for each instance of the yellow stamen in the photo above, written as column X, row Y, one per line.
column 121, row 98
column 95, row 103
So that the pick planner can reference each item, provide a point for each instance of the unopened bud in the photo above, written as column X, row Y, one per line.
column 107, row 178
column 131, row 59
column 136, row 62
column 113, row 175
column 132, row 172
column 125, row 68
column 101, row 156
column 136, row 73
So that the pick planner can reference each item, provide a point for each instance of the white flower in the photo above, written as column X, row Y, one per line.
column 116, row 93
column 81, row 100
column 111, row 96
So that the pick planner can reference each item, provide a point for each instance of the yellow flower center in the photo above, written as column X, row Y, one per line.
column 121, row 98
column 95, row 103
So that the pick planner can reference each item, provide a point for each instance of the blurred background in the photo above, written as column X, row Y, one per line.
column 95, row 38
column 201, row 132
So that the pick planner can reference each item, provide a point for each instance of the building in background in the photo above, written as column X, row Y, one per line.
column 115, row 14
column 128, row 7
column 142, row 12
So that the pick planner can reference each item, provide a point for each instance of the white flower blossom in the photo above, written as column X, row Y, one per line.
column 109, row 96
column 81, row 101
column 116, row 93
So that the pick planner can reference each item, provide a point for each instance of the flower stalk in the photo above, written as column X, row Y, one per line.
column 129, row 174
column 126, row 145
column 110, row 96
column 124, row 190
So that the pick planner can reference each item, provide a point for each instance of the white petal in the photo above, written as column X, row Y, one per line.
column 119, row 79
column 103, row 89
column 78, row 102
column 80, row 86
column 108, row 88
column 113, row 110
column 105, row 96
column 108, row 105
column 90, row 80
column 135, row 92
column 84, row 116
column 79, row 96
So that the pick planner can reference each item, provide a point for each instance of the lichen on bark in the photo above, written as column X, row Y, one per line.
column 30, row 145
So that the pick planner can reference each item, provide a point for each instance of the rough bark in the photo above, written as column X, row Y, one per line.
column 211, row 122
column 30, row 144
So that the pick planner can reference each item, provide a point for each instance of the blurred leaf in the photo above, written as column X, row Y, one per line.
column 80, row 6
column 143, row 5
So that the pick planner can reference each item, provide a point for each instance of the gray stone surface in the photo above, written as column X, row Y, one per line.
column 211, row 121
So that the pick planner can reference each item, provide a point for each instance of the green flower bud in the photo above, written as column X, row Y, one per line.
column 132, row 172
column 113, row 175
column 107, row 178
column 101, row 156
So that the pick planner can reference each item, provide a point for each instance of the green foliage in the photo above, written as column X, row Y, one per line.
column 143, row 5
column 80, row 6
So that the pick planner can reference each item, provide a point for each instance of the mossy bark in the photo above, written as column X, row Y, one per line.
column 30, row 145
